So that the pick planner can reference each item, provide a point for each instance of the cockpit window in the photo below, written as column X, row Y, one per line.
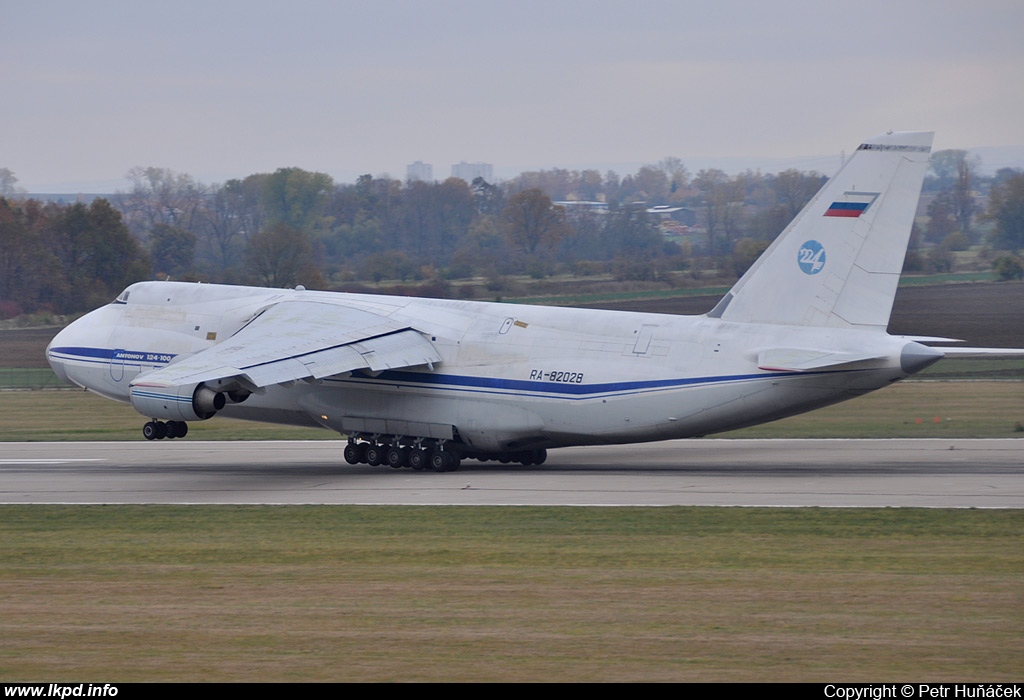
column 123, row 297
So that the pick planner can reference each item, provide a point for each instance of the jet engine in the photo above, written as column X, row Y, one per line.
column 185, row 402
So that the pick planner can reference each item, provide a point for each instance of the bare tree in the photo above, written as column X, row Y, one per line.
column 161, row 196
column 281, row 256
column 8, row 184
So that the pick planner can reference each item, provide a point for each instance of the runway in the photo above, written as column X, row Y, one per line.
column 781, row 473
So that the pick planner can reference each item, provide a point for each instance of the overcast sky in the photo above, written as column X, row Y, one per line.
column 226, row 88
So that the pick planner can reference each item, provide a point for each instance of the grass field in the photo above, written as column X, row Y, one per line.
column 151, row 593
column 147, row 593
column 909, row 409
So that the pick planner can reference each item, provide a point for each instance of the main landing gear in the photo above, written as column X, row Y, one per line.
column 158, row 430
column 525, row 457
column 420, row 455
column 417, row 456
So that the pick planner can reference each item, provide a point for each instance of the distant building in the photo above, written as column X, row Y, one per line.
column 577, row 210
column 80, row 198
column 579, row 205
column 419, row 171
column 675, row 223
column 681, row 215
column 471, row 171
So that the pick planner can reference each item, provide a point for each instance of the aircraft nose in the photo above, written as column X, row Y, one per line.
column 56, row 358
column 77, row 354
column 81, row 353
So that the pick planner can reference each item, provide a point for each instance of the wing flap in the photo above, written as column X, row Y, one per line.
column 297, row 340
column 407, row 348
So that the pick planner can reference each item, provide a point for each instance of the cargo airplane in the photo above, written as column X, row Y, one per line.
column 426, row 383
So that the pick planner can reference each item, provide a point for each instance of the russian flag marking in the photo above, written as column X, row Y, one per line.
column 852, row 205
column 846, row 209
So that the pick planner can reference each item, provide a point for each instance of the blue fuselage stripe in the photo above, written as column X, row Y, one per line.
column 456, row 382
column 111, row 355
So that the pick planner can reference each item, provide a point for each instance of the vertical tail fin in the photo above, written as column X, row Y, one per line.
column 838, row 262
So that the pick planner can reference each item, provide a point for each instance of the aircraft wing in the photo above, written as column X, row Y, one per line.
column 294, row 340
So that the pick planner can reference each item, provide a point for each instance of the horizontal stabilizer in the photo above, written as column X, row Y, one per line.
column 808, row 359
column 927, row 339
column 981, row 352
column 964, row 352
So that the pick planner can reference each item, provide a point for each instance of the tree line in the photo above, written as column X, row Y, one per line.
column 294, row 226
column 63, row 259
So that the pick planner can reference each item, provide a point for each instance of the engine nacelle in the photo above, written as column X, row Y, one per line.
column 238, row 395
column 185, row 402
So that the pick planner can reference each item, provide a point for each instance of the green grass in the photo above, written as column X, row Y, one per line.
column 29, row 378
column 948, row 409
column 964, row 409
column 964, row 368
column 316, row 593
column 70, row 415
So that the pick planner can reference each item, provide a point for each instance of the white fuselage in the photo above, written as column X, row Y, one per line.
column 511, row 376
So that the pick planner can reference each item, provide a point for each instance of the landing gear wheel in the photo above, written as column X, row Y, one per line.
column 353, row 455
column 534, row 457
column 374, row 455
column 176, row 429
column 396, row 457
column 149, row 430
column 418, row 459
column 444, row 461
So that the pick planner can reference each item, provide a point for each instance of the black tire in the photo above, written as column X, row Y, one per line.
column 149, row 430
column 161, row 430
column 374, row 455
column 353, row 453
column 397, row 457
column 418, row 459
column 454, row 461
column 437, row 462
column 444, row 461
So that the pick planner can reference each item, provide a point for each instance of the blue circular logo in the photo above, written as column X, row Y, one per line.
column 811, row 257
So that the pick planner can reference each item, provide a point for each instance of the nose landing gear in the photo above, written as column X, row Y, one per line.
column 158, row 430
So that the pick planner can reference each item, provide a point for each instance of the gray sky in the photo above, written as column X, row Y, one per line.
column 227, row 88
